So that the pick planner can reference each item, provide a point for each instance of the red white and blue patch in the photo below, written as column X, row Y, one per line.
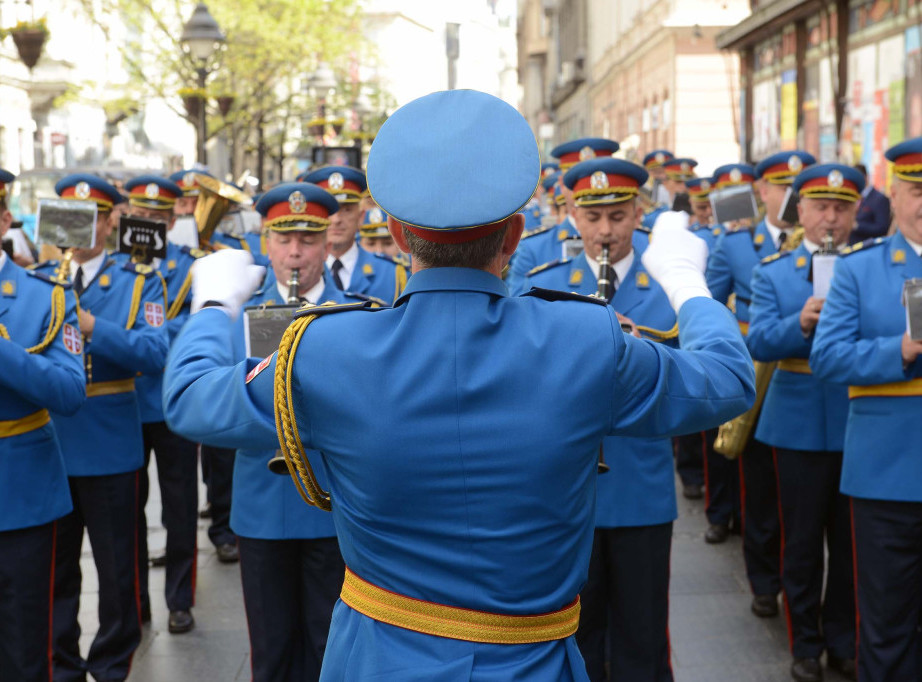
column 73, row 340
column 259, row 368
column 153, row 314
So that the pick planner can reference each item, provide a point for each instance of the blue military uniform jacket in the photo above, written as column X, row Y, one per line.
column 377, row 275
column 650, row 217
column 640, row 488
column 858, row 342
column 265, row 505
column 709, row 233
column 176, row 270
column 33, row 480
column 730, row 265
column 443, row 493
column 539, row 247
column 872, row 219
column 800, row 411
column 130, row 336
column 252, row 242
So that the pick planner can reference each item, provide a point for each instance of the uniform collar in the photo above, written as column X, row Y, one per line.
column 312, row 295
column 90, row 268
column 3, row 259
column 912, row 245
column 453, row 279
column 622, row 268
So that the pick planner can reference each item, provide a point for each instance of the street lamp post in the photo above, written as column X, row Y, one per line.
column 201, row 37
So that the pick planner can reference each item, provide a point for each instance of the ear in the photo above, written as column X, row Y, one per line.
column 513, row 234
column 396, row 230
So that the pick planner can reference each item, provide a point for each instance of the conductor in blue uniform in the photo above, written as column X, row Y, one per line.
column 803, row 421
column 862, row 341
column 466, row 526
column 625, row 616
column 41, row 353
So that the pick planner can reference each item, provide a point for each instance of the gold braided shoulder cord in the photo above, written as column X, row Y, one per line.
column 659, row 334
column 285, row 422
column 180, row 297
column 400, row 277
column 58, row 307
column 135, row 301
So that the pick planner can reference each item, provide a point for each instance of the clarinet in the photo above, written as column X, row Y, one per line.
column 294, row 284
column 604, row 292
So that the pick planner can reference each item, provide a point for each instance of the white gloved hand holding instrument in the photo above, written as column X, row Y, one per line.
column 226, row 277
column 676, row 259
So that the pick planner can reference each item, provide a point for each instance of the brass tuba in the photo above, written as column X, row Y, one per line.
column 214, row 200
column 734, row 435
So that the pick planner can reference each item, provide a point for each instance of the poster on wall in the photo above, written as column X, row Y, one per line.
column 827, row 110
column 789, row 109
column 890, row 70
column 765, row 117
column 912, row 96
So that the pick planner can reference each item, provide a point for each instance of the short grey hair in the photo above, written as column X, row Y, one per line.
column 477, row 254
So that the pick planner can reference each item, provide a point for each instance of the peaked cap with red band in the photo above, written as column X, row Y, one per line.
column 829, row 181
column 345, row 183
column 657, row 158
column 297, row 207
column 698, row 188
column 5, row 179
column 732, row 174
column 584, row 149
column 781, row 168
column 605, row 181
column 186, row 181
column 680, row 169
column 907, row 159
column 152, row 191
column 87, row 187
column 453, row 166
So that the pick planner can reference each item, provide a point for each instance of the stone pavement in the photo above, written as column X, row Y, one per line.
column 715, row 638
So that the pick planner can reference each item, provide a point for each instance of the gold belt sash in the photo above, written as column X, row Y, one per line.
column 17, row 427
column 896, row 389
column 796, row 365
column 109, row 387
column 453, row 622
column 744, row 327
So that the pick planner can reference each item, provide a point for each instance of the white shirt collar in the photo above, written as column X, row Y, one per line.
column 621, row 268
column 775, row 232
column 915, row 247
column 90, row 268
column 2, row 258
column 348, row 259
column 312, row 295
column 813, row 247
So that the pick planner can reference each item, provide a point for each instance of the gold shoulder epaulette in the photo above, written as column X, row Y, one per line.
column 365, row 297
column 775, row 256
column 546, row 266
column 331, row 307
column 860, row 246
column 139, row 268
column 50, row 279
column 195, row 253
column 537, row 230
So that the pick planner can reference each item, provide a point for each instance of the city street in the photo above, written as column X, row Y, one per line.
column 714, row 636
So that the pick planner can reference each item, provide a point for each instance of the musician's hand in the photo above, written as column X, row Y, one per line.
column 87, row 322
column 910, row 349
column 624, row 319
column 227, row 277
column 677, row 258
column 810, row 315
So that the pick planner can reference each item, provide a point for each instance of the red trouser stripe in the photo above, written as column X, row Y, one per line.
column 784, row 593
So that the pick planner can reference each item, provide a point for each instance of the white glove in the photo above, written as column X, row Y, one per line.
column 227, row 277
column 677, row 258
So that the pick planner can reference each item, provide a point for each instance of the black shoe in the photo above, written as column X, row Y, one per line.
column 181, row 621
column 145, row 613
column 716, row 534
column 692, row 491
column 807, row 670
column 158, row 561
column 227, row 553
column 205, row 513
column 844, row 666
column 766, row 606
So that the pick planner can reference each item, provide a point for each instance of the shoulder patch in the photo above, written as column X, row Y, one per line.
column 138, row 268
column 775, row 256
column 50, row 279
column 546, row 266
column 861, row 246
column 195, row 253
column 366, row 297
column 331, row 307
column 537, row 230
column 555, row 295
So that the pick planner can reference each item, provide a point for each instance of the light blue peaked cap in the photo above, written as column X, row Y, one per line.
column 452, row 161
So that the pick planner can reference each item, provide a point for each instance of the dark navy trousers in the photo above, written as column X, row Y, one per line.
column 721, row 483
column 688, row 459
column 815, row 518
column 107, row 507
column 761, row 526
column 178, row 478
column 888, row 562
column 26, row 563
column 624, row 615
column 289, row 590
column 218, row 473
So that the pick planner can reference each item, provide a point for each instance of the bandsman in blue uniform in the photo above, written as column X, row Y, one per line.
column 862, row 341
column 185, row 179
column 122, row 319
column 353, row 268
column 677, row 171
column 42, row 359
column 803, row 421
column 625, row 603
column 654, row 162
column 290, row 562
column 447, row 528
column 374, row 237
column 153, row 198
column 548, row 169
column 702, row 223
column 548, row 245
